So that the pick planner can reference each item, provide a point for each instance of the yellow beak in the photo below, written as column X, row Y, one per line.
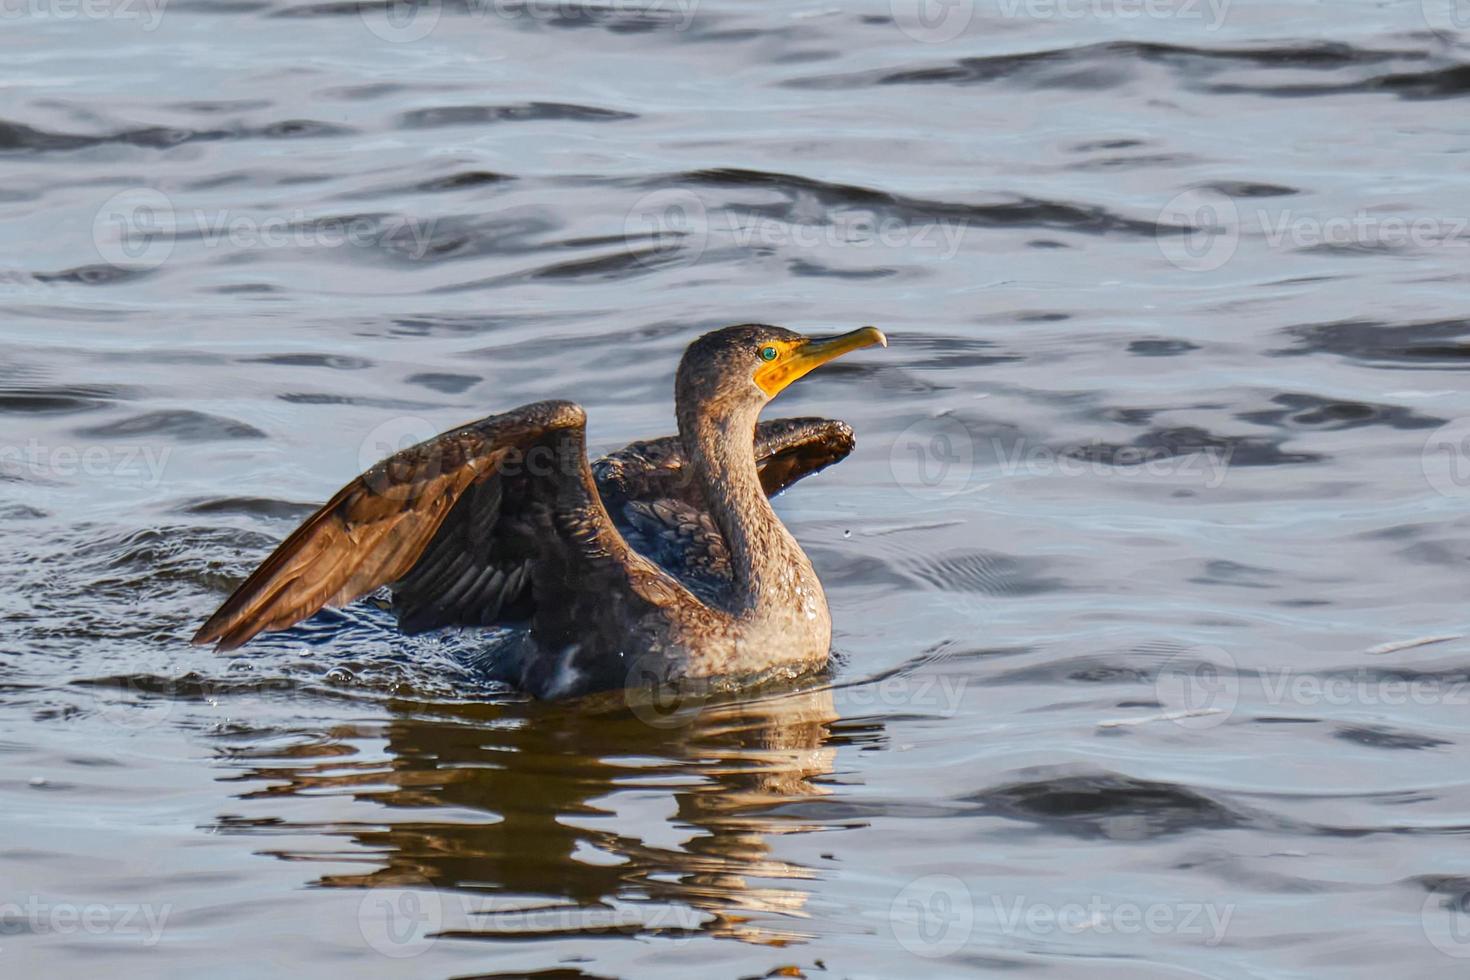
column 812, row 353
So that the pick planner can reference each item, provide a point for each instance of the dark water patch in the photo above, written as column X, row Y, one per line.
column 1022, row 212
column 1303, row 411
column 935, row 350
column 1094, row 146
column 513, row 233
column 247, row 507
column 1223, row 572
column 1438, row 83
column 248, row 289
column 1109, row 64
column 18, row 137
column 1129, row 416
column 335, row 362
column 1093, row 668
column 182, row 424
column 1248, row 189
column 220, row 106
column 843, row 569
column 461, row 180
column 984, row 572
column 1161, row 444
column 1359, row 249
column 449, row 384
column 1450, row 555
column 1161, row 348
column 476, row 14
column 1436, row 343
column 619, row 265
column 101, row 274
column 60, row 399
column 299, row 129
column 483, row 115
column 1110, row 806
column 802, row 267
column 1381, row 737
column 1135, row 162
column 368, row 401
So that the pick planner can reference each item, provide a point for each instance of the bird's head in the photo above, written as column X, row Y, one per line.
column 736, row 370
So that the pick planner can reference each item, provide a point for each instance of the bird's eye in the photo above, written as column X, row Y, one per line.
column 768, row 353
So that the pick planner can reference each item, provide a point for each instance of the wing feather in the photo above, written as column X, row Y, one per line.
column 375, row 529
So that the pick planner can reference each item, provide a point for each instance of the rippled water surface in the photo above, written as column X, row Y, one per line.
column 1159, row 478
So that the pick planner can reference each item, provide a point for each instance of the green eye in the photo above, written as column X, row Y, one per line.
column 768, row 353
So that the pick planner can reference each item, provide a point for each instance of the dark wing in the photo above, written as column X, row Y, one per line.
column 662, row 512
column 455, row 521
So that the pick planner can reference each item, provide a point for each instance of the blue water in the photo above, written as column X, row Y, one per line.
column 1161, row 480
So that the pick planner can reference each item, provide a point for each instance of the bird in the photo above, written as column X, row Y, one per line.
column 660, row 564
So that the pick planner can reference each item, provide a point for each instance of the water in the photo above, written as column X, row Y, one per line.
column 1131, row 509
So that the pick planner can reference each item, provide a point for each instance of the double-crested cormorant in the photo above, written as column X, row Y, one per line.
column 663, row 561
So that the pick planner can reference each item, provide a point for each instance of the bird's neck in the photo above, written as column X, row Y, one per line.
column 765, row 559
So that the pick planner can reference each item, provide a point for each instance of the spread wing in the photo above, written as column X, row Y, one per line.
column 457, row 521
column 662, row 513
column 457, row 524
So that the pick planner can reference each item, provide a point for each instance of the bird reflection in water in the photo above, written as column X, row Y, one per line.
column 529, row 807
